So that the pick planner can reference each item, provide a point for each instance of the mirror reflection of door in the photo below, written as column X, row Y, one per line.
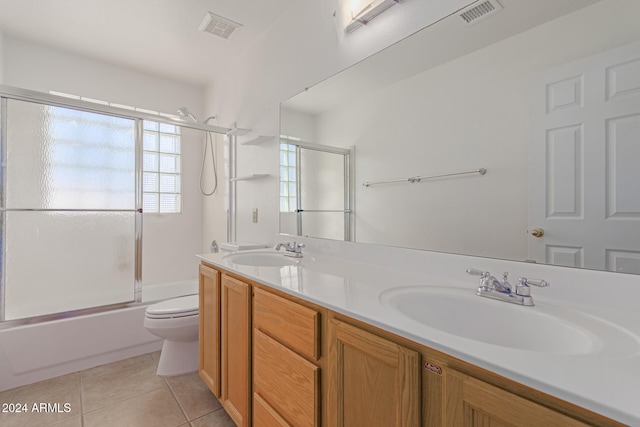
column 587, row 119
column 315, row 190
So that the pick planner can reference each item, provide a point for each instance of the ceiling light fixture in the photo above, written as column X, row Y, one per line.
column 367, row 13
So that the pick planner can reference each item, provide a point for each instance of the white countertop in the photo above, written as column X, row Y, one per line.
column 606, row 382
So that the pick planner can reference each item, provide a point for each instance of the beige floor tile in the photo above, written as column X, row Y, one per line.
column 155, row 356
column 43, row 403
column 154, row 409
column 218, row 418
column 105, row 390
column 109, row 368
column 71, row 422
column 193, row 395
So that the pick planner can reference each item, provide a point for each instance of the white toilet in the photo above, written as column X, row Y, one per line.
column 175, row 320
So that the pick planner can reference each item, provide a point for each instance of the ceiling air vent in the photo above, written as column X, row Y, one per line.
column 482, row 10
column 218, row 26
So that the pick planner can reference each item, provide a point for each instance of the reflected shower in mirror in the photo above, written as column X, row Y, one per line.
column 543, row 94
column 315, row 190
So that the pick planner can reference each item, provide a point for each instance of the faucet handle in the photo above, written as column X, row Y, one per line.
column 505, row 281
column 523, row 289
column 475, row 272
column 537, row 282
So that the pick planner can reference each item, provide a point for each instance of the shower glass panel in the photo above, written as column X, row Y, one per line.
column 323, row 193
column 322, row 180
column 69, row 210
column 325, row 225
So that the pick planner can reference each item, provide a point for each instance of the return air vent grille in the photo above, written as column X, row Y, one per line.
column 481, row 11
column 218, row 26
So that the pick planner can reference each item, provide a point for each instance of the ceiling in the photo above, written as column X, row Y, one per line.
column 159, row 37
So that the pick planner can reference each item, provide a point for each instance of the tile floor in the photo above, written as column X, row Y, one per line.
column 124, row 393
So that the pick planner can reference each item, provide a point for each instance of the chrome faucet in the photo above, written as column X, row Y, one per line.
column 492, row 287
column 291, row 249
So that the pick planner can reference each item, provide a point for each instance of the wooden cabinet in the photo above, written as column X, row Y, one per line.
column 209, row 328
column 273, row 362
column 471, row 402
column 372, row 381
column 286, row 377
column 235, row 322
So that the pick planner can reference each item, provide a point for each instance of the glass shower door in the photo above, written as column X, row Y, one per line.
column 323, row 193
column 69, row 204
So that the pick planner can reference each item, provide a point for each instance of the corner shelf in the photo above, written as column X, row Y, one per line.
column 250, row 177
column 238, row 132
column 259, row 140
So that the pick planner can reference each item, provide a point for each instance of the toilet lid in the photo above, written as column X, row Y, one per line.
column 176, row 307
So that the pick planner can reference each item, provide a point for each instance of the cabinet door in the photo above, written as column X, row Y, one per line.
column 471, row 402
column 209, row 328
column 372, row 381
column 236, row 365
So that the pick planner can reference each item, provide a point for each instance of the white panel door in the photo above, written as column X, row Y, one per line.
column 584, row 173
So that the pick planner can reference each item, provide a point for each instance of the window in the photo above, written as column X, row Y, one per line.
column 288, row 192
column 161, row 168
column 161, row 162
column 88, row 160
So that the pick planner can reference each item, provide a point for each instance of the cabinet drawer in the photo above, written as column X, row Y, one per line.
column 287, row 382
column 292, row 324
column 264, row 415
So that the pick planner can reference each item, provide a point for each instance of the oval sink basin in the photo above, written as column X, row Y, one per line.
column 546, row 328
column 261, row 259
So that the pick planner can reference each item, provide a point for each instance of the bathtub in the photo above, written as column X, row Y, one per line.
column 39, row 351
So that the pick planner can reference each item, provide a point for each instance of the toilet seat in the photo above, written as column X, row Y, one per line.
column 173, row 308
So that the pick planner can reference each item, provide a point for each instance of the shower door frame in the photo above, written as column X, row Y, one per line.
column 347, row 179
column 19, row 94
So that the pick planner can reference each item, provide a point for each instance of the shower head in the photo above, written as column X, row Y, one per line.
column 184, row 112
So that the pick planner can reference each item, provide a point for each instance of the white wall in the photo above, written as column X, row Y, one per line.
column 214, row 207
column 1, row 58
column 300, row 49
column 170, row 241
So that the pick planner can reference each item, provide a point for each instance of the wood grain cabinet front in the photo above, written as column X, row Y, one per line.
column 286, row 381
column 373, row 381
column 209, row 328
column 235, row 321
column 470, row 402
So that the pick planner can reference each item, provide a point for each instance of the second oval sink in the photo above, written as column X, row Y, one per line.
column 548, row 329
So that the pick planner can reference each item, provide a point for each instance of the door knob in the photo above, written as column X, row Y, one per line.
column 537, row 232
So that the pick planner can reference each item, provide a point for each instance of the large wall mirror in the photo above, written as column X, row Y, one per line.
column 543, row 95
